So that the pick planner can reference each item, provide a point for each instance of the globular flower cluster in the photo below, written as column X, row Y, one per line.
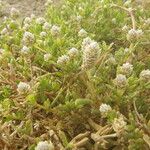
column 119, row 125
column 91, row 51
column 82, row 33
column 78, row 18
column 47, row 57
column 104, row 109
column 27, row 20
column 28, row 38
column 40, row 20
column 43, row 34
column 145, row 75
column 44, row 145
column 63, row 59
column 27, row 23
column 125, row 28
column 5, row 31
column 72, row 52
column 14, row 13
column 134, row 34
column 127, row 68
column 25, row 50
column 55, row 30
column 120, row 81
column 23, row 87
column 47, row 26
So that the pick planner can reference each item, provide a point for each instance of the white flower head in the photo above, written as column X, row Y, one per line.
column 27, row 20
column 5, row 18
column 43, row 34
column 111, row 60
column 26, row 27
column 25, row 50
column 86, row 42
column 147, row 21
column 121, row 80
column 145, row 75
column 73, row 52
column 125, row 28
column 28, row 38
column 4, row 31
column 14, row 13
column 134, row 34
column 139, row 33
column 91, row 51
column 32, row 16
column 47, row 57
column 119, row 124
column 23, row 87
column 114, row 21
column 127, row 68
column 46, row 26
column 55, row 30
column 104, row 109
column 63, row 59
column 79, row 18
column 126, row 50
column 40, row 20
column 82, row 33
column 44, row 145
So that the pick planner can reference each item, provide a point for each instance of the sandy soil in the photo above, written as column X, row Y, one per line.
column 26, row 7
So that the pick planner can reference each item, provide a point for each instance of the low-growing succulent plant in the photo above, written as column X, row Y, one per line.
column 77, row 78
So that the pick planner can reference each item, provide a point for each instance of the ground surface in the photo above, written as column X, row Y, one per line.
column 26, row 7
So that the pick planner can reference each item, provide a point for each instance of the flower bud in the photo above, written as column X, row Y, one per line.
column 26, row 27
column 47, row 57
column 134, row 34
column 79, row 18
column 125, row 28
column 44, row 145
column 33, row 16
column 28, row 38
column 25, row 50
column 127, row 68
column 120, row 80
column 55, row 30
column 40, row 20
column 145, row 75
column 27, row 20
column 73, row 52
column 14, row 13
column 114, row 21
column 46, row 26
column 43, row 34
column 23, row 87
column 104, row 109
column 4, row 31
column 119, row 125
column 63, row 59
column 82, row 33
